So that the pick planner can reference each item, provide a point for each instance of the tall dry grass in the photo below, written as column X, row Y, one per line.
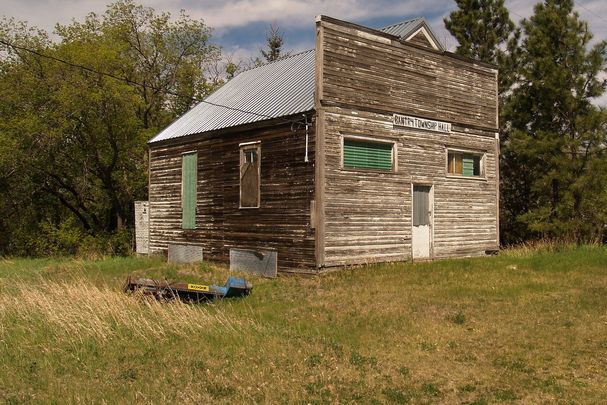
column 541, row 246
column 76, row 310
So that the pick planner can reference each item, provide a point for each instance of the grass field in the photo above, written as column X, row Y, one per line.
column 525, row 326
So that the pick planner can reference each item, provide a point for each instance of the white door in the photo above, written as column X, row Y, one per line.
column 422, row 220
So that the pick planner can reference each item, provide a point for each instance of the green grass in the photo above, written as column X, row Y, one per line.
column 525, row 326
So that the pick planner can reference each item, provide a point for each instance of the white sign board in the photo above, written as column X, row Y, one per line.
column 421, row 123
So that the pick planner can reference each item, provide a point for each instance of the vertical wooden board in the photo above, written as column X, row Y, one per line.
column 250, row 158
column 319, row 142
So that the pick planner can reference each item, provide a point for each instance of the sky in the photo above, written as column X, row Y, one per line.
column 240, row 26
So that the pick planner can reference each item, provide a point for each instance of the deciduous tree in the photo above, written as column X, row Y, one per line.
column 74, row 133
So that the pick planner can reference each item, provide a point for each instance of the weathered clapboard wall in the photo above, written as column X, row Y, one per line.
column 364, row 77
column 367, row 69
column 287, row 188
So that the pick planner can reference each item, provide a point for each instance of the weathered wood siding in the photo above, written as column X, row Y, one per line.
column 287, row 186
column 368, row 214
column 369, row 71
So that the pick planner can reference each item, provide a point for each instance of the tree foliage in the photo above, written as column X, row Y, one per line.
column 553, row 178
column 73, row 141
column 274, row 44
column 555, row 182
column 480, row 27
column 485, row 32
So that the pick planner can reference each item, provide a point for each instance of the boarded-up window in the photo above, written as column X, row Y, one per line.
column 189, row 177
column 250, row 172
column 421, row 205
column 464, row 164
column 360, row 154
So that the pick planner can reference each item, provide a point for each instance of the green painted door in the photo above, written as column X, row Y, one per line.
column 189, row 177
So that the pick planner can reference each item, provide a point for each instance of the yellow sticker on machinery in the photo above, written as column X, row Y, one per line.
column 198, row 287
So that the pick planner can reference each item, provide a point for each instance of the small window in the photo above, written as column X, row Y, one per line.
column 189, row 178
column 361, row 154
column 250, row 156
column 250, row 175
column 421, row 205
column 464, row 164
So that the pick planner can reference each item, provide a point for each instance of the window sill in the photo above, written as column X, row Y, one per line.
column 248, row 208
column 473, row 178
column 355, row 170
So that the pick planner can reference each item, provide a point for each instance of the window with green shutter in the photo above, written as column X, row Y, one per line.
column 464, row 164
column 189, row 177
column 362, row 154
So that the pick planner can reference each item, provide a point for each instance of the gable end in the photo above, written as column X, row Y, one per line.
column 423, row 38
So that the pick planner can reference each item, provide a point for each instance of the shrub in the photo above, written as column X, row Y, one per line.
column 68, row 238
column 119, row 243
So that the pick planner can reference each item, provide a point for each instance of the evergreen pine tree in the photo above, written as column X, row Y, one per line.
column 555, row 161
column 485, row 32
column 480, row 27
column 274, row 43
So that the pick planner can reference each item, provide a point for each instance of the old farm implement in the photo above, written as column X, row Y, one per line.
column 188, row 292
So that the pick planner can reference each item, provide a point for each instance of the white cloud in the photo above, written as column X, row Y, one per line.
column 224, row 15
column 296, row 12
column 221, row 14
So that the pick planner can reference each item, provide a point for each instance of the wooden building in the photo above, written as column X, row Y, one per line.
column 378, row 145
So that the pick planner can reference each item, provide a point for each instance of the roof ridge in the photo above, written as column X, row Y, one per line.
column 401, row 22
column 277, row 60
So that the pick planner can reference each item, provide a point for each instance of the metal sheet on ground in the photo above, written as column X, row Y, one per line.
column 179, row 253
column 262, row 262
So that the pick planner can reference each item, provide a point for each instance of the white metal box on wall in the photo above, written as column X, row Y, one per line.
column 142, row 227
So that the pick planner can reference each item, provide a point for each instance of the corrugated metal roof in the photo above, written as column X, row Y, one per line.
column 403, row 29
column 277, row 89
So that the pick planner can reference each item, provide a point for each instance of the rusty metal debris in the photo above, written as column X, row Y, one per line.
column 188, row 292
